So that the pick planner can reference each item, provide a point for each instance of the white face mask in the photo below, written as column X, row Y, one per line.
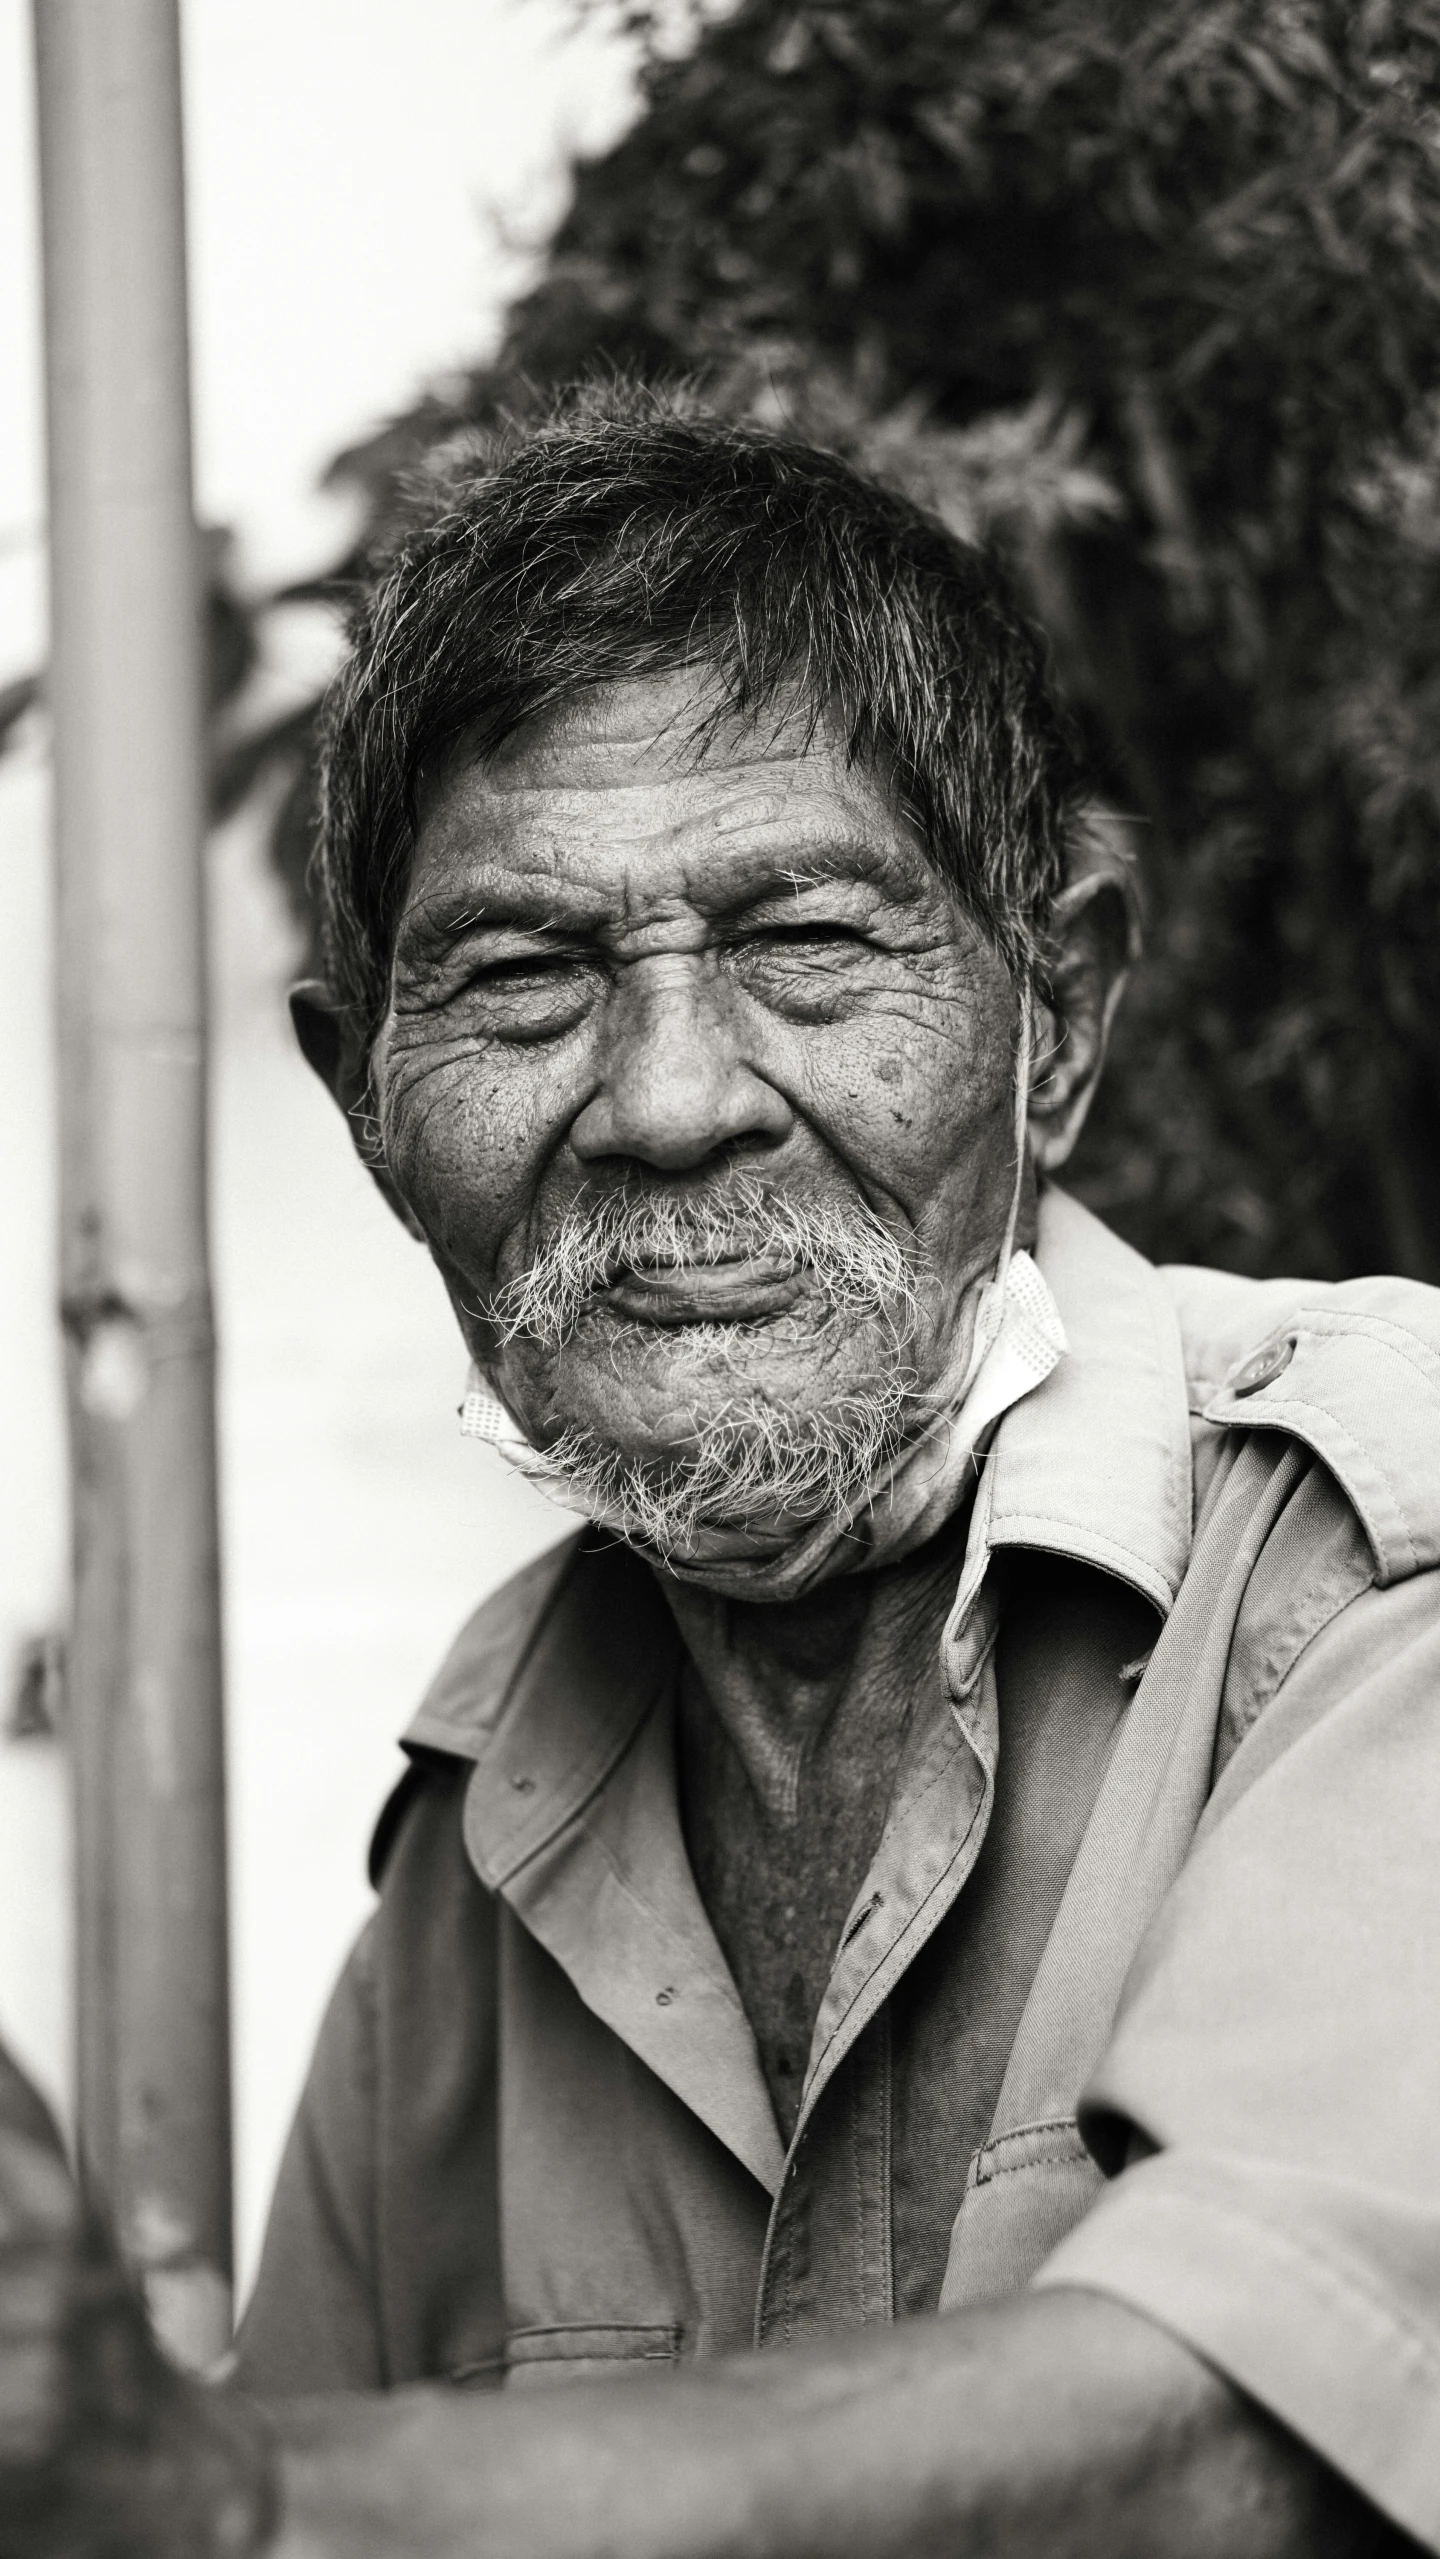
column 1017, row 1339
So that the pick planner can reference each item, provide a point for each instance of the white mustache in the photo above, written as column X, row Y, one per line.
column 858, row 1267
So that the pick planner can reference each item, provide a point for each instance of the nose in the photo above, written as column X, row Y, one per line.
column 675, row 1089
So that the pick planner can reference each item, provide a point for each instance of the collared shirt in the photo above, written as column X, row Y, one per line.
column 1137, row 1994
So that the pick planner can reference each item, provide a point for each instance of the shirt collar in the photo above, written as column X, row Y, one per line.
column 1096, row 1463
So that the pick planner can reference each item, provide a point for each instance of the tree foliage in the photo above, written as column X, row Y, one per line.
column 1150, row 295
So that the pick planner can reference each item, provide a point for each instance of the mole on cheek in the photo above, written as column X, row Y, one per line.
column 888, row 1070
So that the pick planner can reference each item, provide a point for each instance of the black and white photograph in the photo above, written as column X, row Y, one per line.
column 720, row 1279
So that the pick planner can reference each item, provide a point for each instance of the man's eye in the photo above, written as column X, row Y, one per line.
column 524, row 970
column 534, row 969
column 806, row 936
column 810, row 969
column 536, row 994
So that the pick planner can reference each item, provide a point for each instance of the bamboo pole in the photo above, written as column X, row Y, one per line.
column 126, row 689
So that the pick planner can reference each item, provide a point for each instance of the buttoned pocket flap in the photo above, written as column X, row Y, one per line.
column 1024, row 2192
column 564, row 2353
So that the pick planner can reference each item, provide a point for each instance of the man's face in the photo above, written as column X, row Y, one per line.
column 717, row 992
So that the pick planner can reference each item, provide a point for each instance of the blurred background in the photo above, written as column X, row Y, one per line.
column 1147, row 294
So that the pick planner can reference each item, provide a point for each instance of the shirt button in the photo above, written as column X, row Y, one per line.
column 1263, row 1368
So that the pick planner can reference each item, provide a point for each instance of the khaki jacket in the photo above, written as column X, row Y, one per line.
column 536, row 2139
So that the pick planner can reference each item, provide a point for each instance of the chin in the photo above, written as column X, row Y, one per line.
column 650, row 1390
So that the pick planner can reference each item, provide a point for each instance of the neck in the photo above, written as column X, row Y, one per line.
column 791, row 1684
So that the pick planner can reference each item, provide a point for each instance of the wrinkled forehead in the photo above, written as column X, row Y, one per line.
column 656, row 775
column 683, row 718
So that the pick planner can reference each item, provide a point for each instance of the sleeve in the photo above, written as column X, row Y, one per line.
column 1274, row 2071
column 312, row 2323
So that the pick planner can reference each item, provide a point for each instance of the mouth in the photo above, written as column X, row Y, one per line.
column 741, row 1288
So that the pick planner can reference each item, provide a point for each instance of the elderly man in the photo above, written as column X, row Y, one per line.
column 935, row 1881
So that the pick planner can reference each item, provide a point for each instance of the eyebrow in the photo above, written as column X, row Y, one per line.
column 844, row 861
column 448, row 914
column 515, row 904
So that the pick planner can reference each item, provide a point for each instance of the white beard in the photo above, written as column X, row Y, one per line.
column 924, row 1451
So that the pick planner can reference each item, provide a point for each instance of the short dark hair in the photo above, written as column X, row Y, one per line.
column 629, row 534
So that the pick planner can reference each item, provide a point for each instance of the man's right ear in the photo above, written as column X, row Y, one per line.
column 323, row 1029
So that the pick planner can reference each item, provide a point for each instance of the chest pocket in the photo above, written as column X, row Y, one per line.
column 1023, row 2193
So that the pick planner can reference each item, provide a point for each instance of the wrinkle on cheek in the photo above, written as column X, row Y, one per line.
column 410, row 1072
column 424, row 1136
column 919, row 1102
column 454, row 1142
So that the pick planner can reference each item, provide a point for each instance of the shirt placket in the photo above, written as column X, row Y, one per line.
column 828, row 2259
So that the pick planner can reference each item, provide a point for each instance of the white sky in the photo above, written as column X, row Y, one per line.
column 345, row 158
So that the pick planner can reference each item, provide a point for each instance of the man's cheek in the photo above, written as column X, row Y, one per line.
column 462, row 1147
column 903, row 1099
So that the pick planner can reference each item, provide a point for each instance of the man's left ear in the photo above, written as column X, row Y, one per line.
column 1093, row 942
column 323, row 1029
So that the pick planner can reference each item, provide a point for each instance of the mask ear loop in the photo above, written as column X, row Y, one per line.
column 1024, row 1068
column 990, row 1312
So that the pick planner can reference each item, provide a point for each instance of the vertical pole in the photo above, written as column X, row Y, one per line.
column 143, row 1675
